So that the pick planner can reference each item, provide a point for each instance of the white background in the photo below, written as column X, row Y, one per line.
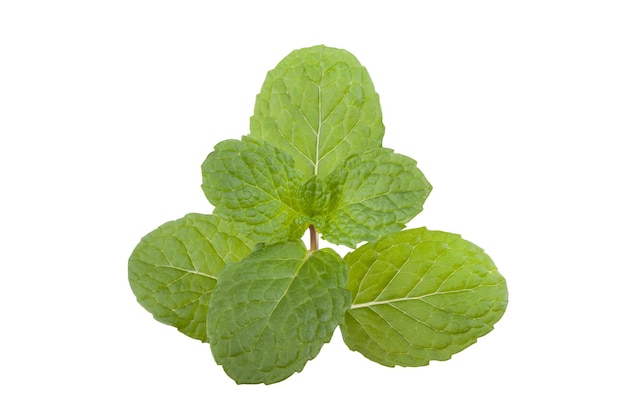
column 515, row 112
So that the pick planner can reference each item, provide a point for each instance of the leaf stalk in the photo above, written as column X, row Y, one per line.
column 315, row 242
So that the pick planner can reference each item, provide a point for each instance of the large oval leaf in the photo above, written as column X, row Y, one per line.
column 273, row 311
column 319, row 105
column 420, row 295
column 173, row 269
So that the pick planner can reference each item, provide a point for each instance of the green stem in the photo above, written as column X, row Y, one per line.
column 315, row 243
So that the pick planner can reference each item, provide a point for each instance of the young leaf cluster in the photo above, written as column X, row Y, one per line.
column 241, row 278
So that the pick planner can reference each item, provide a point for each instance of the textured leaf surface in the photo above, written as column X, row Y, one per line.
column 255, row 186
column 173, row 269
column 377, row 193
column 314, row 197
column 420, row 295
column 273, row 311
column 320, row 106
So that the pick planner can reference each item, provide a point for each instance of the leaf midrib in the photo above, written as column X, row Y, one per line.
column 397, row 300
column 280, row 299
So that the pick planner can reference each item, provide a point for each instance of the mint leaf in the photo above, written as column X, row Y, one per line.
column 378, row 192
column 242, row 278
column 315, row 201
column 173, row 269
column 314, row 197
column 338, row 179
column 273, row 311
column 420, row 295
column 255, row 186
column 318, row 105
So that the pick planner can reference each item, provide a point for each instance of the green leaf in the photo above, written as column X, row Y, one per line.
column 319, row 105
column 314, row 203
column 173, row 269
column 255, row 186
column 314, row 197
column 273, row 311
column 420, row 295
column 377, row 193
